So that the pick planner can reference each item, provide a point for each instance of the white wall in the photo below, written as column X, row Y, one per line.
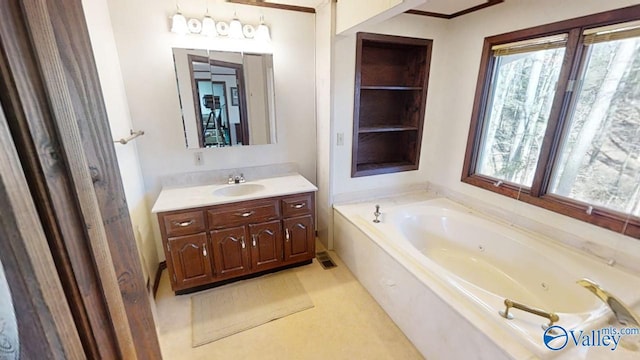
column 344, row 82
column 454, row 71
column 447, row 126
column 108, row 64
column 144, row 43
column 325, row 13
column 353, row 15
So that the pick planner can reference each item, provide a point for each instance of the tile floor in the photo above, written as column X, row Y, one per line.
column 346, row 323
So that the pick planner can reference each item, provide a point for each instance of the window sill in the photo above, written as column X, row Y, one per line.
column 605, row 218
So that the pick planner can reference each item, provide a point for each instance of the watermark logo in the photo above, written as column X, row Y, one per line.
column 555, row 337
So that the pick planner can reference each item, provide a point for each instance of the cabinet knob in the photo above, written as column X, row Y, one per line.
column 244, row 246
column 204, row 250
column 298, row 206
column 253, row 239
column 286, row 234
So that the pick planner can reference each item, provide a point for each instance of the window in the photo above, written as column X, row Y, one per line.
column 556, row 119
column 522, row 89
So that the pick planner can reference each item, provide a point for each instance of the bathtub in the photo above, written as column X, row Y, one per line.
column 443, row 271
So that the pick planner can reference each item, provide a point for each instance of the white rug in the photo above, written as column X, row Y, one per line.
column 236, row 307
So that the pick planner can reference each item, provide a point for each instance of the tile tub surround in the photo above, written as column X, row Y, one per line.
column 171, row 199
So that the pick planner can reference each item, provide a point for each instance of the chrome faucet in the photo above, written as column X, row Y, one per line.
column 377, row 214
column 235, row 179
column 622, row 312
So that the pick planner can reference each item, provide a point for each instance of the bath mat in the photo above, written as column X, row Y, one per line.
column 325, row 260
column 233, row 308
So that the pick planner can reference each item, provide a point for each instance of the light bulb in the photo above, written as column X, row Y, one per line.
column 209, row 26
column 235, row 29
column 179, row 24
column 262, row 33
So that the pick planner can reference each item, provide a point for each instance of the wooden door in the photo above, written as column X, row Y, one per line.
column 299, row 240
column 32, row 299
column 266, row 245
column 190, row 261
column 230, row 254
column 52, row 100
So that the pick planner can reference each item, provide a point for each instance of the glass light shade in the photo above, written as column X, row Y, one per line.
column 262, row 33
column 209, row 26
column 235, row 29
column 179, row 24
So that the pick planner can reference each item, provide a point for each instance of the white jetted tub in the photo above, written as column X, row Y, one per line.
column 442, row 272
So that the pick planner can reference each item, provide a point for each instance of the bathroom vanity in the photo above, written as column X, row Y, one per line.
column 217, row 233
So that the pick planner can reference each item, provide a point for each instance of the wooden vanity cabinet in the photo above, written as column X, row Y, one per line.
column 266, row 245
column 299, row 232
column 229, row 252
column 190, row 260
column 299, row 243
column 222, row 242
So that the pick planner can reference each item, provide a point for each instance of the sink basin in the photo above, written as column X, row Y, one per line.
column 239, row 190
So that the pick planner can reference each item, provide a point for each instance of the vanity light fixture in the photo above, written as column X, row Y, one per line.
column 179, row 23
column 211, row 28
column 235, row 28
column 208, row 25
column 262, row 33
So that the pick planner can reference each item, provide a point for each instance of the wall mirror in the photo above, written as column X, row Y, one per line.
column 226, row 98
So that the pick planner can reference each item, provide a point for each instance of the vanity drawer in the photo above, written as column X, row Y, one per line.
column 184, row 223
column 297, row 205
column 243, row 213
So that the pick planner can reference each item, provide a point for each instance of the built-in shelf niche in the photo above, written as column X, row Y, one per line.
column 390, row 95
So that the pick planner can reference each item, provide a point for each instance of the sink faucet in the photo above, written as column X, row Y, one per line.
column 622, row 312
column 235, row 179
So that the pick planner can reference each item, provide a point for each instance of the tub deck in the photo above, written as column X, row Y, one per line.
column 462, row 265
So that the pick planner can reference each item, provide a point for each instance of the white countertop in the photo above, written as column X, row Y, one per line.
column 198, row 196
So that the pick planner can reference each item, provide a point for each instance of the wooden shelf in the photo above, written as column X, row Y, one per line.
column 391, row 87
column 384, row 168
column 383, row 128
column 392, row 74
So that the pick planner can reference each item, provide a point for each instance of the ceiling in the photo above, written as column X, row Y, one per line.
column 446, row 7
column 304, row 3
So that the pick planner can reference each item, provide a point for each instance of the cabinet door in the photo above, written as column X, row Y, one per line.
column 230, row 254
column 299, row 239
column 266, row 245
column 190, row 261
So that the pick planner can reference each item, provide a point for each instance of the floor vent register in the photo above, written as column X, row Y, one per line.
column 325, row 260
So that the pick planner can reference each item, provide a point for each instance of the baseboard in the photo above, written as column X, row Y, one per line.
column 161, row 266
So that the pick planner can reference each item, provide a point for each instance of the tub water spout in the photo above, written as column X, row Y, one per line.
column 622, row 312
column 377, row 214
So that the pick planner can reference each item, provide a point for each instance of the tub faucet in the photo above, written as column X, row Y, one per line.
column 622, row 312
column 377, row 214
